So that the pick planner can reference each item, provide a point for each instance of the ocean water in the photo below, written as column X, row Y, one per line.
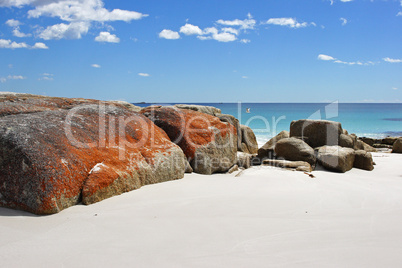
column 375, row 120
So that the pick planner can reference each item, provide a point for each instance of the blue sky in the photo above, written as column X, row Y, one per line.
column 203, row 51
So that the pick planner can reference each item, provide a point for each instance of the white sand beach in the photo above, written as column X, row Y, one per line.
column 266, row 217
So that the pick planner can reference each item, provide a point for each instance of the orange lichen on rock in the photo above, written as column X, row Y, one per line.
column 209, row 144
column 53, row 159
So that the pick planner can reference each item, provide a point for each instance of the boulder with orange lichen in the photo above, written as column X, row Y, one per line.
column 209, row 144
column 56, row 158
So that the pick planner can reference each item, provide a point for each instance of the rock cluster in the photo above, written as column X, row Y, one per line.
column 386, row 143
column 319, row 142
column 58, row 152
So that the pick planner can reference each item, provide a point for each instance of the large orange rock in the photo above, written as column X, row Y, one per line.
column 53, row 159
column 209, row 144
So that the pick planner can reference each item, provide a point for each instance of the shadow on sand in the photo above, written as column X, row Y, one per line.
column 8, row 212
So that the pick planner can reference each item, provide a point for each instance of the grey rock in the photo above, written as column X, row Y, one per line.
column 294, row 149
column 152, row 107
column 267, row 150
column 363, row 160
column 233, row 169
column 255, row 160
column 200, row 108
column 369, row 141
column 127, row 105
column 244, row 160
column 346, row 141
column 296, row 165
column 397, row 147
column 317, row 133
column 389, row 140
column 381, row 146
column 248, row 138
column 336, row 158
column 244, row 148
column 188, row 168
column 361, row 145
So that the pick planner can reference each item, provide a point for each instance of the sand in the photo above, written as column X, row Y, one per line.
column 266, row 217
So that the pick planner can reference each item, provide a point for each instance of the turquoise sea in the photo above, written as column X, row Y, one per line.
column 376, row 120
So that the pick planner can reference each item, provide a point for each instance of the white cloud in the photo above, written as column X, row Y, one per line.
column 46, row 77
column 201, row 37
column 329, row 58
column 16, row 77
column 95, row 65
column 289, row 22
column 82, row 10
column 16, row 25
column 230, row 30
column 399, row 13
column 13, row 23
column 210, row 30
column 244, row 77
column 245, row 41
column 214, row 34
column 344, row 21
column 190, row 29
column 18, row 33
column 107, row 37
column 325, row 57
column 220, row 32
column 344, row 1
column 351, row 62
column 74, row 30
column 39, row 45
column 14, row 3
column 226, row 34
column 79, row 14
column 395, row 88
column 248, row 23
column 144, row 74
column 224, row 37
column 11, row 44
column 169, row 34
column 12, row 77
column 392, row 60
